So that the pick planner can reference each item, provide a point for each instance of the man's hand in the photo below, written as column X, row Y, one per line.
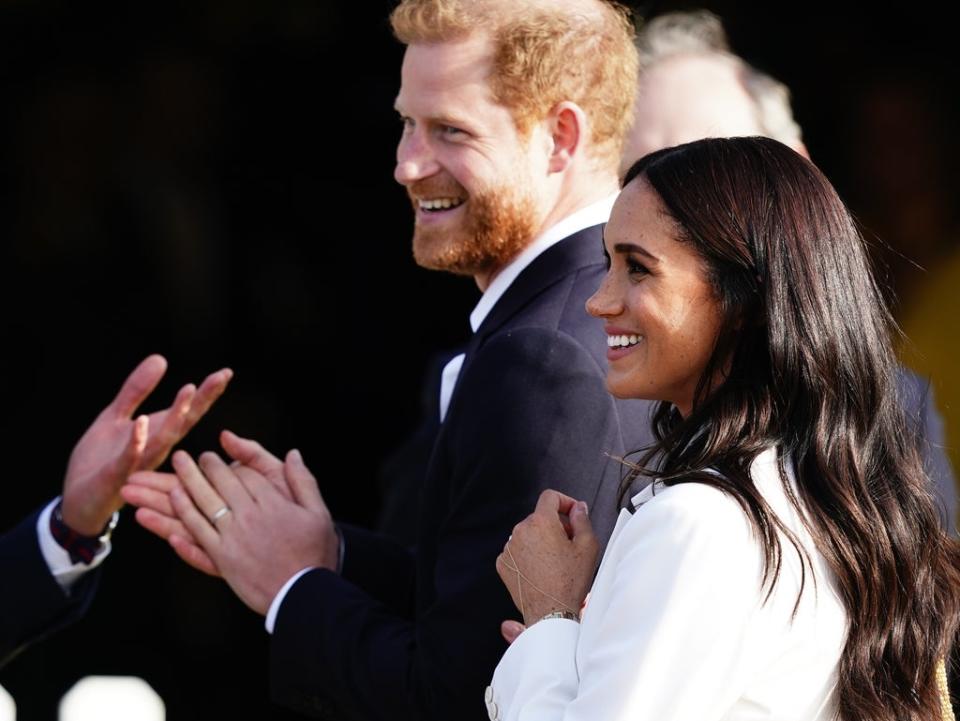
column 255, row 535
column 116, row 445
column 150, row 492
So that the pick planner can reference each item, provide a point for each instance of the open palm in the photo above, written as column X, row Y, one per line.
column 117, row 444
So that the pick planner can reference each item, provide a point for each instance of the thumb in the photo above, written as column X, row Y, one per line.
column 580, row 522
column 511, row 629
column 301, row 481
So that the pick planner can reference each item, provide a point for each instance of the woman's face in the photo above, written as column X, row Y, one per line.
column 662, row 317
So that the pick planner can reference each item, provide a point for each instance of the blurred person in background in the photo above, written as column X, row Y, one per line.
column 906, row 192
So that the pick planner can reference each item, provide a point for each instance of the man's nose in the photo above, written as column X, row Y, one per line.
column 415, row 159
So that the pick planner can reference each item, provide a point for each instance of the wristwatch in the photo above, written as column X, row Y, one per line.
column 82, row 549
column 569, row 615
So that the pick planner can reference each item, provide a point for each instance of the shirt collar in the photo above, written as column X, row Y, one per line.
column 593, row 214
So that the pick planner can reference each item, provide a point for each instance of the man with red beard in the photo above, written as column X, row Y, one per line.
column 513, row 116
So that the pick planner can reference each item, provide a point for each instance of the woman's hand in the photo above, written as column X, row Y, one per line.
column 548, row 562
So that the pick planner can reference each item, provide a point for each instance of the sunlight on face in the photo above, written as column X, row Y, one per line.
column 468, row 171
column 662, row 317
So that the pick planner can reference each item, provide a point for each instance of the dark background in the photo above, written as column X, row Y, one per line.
column 212, row 180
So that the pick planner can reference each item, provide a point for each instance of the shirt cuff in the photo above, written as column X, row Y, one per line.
column 65, row 572
column 539, row 668
column 274, row 609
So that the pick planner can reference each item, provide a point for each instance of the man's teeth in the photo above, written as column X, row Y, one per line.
column 439, row 203
column 623, row 341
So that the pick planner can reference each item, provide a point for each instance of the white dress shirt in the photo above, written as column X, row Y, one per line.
column 678, row 628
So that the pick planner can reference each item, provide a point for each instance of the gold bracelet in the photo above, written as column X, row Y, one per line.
column 569, row 615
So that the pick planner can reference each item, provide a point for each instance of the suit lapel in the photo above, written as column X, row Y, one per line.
column 570, row 255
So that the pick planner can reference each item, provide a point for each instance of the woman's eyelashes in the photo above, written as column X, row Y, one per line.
column 635, row 268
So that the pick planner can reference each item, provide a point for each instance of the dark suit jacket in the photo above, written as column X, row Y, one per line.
column 416, row 636
column 32, row 604
column 921, row 411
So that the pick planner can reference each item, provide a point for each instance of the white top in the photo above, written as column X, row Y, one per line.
column 676, row 628
column 594, row 214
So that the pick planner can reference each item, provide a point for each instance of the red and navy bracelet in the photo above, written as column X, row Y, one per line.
column 82, row 549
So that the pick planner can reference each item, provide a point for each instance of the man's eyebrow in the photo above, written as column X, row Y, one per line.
column 441, row 118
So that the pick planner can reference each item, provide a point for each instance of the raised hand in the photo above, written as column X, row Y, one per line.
column 115, row 445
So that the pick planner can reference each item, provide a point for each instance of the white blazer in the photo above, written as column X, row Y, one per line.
column 676, row 627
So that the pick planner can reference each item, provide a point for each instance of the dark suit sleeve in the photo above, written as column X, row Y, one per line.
column 380, row 567
column 532, row 412
column 920, row 408
column 32, row 604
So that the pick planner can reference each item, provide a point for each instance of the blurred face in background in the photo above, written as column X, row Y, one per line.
column 685, row 98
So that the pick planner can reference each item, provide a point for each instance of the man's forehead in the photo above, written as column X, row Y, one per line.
column 434, row 72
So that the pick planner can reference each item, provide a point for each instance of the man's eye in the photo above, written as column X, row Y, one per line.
column 450, row 131
column 407, row 123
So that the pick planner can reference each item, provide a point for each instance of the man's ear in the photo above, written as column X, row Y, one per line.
column 567, row 124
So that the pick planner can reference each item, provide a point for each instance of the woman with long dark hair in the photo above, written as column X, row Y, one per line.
column 788, row 562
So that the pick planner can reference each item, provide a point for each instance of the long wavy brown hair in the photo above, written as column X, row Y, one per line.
column 806, row 364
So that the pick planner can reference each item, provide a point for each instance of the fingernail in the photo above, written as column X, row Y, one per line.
column 583, row 507
column 295, row 455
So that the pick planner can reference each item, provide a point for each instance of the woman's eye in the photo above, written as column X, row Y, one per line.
column 636, row 268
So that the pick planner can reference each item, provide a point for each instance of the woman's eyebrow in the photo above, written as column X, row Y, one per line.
column 634, row 248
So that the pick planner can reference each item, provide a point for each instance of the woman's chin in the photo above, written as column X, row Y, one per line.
column 623, row 389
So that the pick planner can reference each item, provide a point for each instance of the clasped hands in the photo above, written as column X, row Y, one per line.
column 256, row 522
column 549, row 560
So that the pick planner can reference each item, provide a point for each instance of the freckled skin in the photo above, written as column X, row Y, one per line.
column 668, row 301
